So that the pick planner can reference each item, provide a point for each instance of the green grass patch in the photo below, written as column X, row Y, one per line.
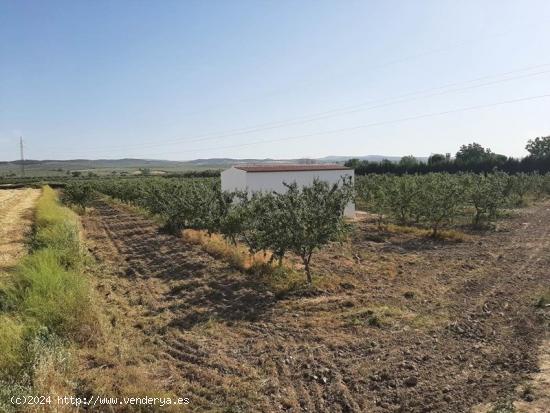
column 443, row 234
column 52, row 294
column 11, row 344
column 46, row 304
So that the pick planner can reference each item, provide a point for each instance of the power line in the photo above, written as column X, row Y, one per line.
column 375, row 66
column 407, row 97
column 347, row 129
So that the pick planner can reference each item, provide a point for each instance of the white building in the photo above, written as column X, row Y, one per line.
column 272, row 177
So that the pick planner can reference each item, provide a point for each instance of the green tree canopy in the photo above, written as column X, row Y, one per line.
column 408, row 161
column 473, row 153
column 436, row 159
column 539, row 148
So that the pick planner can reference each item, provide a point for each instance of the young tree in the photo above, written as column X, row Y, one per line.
column 441, row 198
column 518, row 187
column 402, row 197
column 486, row 193
column 372, row 193
column 313, row 216
column 78, row 193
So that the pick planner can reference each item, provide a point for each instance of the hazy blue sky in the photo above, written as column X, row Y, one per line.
column 190, row 79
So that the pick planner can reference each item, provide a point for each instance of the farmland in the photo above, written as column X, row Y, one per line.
column 332, row 347
column 275, row 207
column 407, row 309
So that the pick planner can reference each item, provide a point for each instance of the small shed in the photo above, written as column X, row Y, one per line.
column 272, row 177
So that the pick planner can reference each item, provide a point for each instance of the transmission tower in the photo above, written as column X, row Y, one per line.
column 22, row 156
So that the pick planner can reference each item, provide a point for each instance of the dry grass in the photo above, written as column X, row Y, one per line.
column 446, row 234
column 15, row 223
column 236, row 255
column 544, row 300
column 280, row 280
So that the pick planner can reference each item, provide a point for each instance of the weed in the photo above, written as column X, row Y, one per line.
column 375, row 316
column 544, row 300
column 449, row 234
column 374, row 320
column 505, row 406
column 11, row 345
column 51, row 295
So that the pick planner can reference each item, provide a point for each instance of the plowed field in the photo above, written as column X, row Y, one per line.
column 397, row 324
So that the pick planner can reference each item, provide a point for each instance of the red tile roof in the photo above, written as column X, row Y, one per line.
column 291, row 167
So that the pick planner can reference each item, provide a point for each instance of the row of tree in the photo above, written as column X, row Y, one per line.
column 436, row 200
column 300, row 220
column 470, row 158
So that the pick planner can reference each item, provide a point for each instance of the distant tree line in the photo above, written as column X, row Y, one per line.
column 470, row 158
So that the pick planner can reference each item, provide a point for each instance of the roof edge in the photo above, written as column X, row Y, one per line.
column 291, row 167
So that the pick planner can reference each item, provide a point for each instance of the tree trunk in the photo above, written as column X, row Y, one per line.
column 307, row 269
column 477, row 218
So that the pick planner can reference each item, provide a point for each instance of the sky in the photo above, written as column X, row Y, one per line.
column 183, row 80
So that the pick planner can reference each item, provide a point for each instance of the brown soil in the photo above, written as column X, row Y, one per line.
column 395, row 323
column 15, row 223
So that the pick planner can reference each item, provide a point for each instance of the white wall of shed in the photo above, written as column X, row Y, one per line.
column 233, row 179
column 274, row 181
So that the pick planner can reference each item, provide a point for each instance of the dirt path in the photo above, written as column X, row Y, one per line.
column 15, row 223
column 397, row 324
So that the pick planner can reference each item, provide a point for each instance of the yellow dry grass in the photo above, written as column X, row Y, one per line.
column 446, row 234
column 15, row 223
column 215, row 245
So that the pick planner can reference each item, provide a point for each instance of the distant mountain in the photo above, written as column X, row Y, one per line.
column 52, row 167
column 326, row 159
column 372, row 158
